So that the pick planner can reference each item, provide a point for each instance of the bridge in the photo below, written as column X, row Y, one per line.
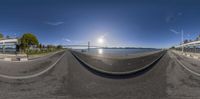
column 81, row 46
column 189, row 47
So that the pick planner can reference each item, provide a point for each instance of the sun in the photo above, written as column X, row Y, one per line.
column 100, row 40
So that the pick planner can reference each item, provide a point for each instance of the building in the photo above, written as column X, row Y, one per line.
column 9, row 45
column 193, row 46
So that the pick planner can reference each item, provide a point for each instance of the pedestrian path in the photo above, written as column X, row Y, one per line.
column 188, row 54
column 190, row 64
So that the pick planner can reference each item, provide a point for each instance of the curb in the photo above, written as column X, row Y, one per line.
column 188, row 55
column 33, row 75
column 117, row 73
column 51, row 54
column 195, row 73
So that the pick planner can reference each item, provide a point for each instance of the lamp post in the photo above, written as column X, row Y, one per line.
column 4, row 46
column 182, row 39
column 181, row 45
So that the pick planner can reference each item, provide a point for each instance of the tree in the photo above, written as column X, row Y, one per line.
column 59, row 47
column 8, row 37
column 40, row 46
column 172, row 47
column 198, row 38
column 28, row 40
column 185, row 41
column 1, row 36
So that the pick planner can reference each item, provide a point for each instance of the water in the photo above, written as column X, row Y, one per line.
column 118, row 51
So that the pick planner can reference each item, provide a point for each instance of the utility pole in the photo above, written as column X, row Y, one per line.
column 182, row 39
column 3, row 47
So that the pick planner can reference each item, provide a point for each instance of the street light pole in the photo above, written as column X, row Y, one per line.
column 182, row 39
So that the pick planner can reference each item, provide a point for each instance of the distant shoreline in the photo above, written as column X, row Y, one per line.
column 118, row 48
column 125, row 48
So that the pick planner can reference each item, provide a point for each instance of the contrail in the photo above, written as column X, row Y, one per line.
column 174, row 31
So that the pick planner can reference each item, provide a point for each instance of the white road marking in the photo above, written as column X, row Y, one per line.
column 51, row 54
column 33, row 75
column 195, row 73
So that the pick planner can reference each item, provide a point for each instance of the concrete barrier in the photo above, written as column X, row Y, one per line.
column 190, row 55
column 195, row 57
column 7, row 59
column 23, row 59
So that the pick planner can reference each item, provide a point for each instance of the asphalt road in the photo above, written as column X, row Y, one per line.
column 28, row 67
column 118, row 65
column 69, row 79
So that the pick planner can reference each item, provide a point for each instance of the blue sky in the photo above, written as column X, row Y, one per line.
column 122, row 22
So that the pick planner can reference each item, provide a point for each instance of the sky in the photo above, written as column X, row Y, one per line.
column 135, row 23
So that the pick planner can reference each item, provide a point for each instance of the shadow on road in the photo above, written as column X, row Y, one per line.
column 113, row 76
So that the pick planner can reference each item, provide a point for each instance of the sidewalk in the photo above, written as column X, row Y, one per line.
column 24, row 57
column 13, row 57
column 36, row 56
column 187, row 60
column 188, row 54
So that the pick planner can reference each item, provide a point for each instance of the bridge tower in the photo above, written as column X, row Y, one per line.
column 88, row 45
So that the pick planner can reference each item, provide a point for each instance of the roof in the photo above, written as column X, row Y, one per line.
column 190, row 43
column 9, row 41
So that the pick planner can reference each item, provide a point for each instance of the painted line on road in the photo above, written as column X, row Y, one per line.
column 33, row 75
column 195, row 73
column 51, row 54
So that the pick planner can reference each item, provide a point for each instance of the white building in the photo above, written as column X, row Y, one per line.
column 8, row 45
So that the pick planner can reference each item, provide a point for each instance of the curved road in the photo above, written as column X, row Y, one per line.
column 70, row 80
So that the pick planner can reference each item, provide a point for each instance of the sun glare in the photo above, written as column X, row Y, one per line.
column 100, row 51
column 100, row 40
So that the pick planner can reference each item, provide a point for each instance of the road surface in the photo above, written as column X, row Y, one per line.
column 68, row 79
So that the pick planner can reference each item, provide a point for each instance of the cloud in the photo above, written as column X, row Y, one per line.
column 67, row 40
column 173, row 17
column 55, row 23
column 170, row 18
column 174, row 31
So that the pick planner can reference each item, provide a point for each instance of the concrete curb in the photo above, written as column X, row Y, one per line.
column 33, row 75
column 116, row 73
column 185, row 67
column 32, row 59
column 188, row 55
